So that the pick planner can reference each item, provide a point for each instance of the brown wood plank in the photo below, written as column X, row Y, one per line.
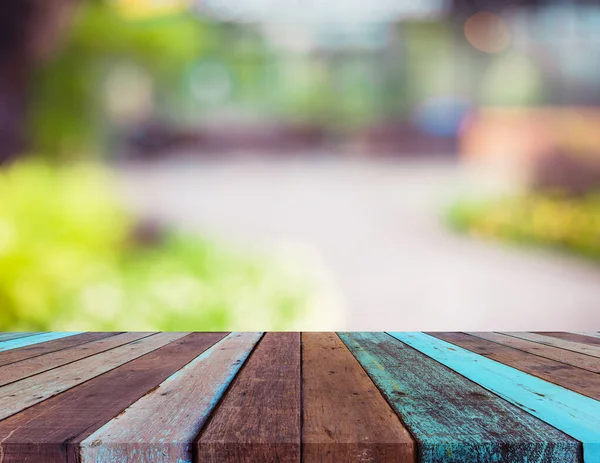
column 27, row 392
column 50, row 432
column 573, row 378
column 570, row 337
column 23, row 353
column 579, row 347
column 575, row 359
column 29, row 367
column 345, row 417
column 162, row 426
column 259, row 417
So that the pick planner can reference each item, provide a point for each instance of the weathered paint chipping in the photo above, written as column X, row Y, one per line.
column 568, row 411
column 162, row 425
column 453, row 419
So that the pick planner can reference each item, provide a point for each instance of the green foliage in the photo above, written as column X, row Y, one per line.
column 68, row 262
column 570, row 224
column 67, row 112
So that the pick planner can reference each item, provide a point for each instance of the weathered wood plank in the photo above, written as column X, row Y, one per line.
column 50, row 432
column 19, row 395
column 9, row 336
column 23, row 353
column 568, row 357
column 560, row 343
column 33, row 366
column 345, row 417
column 570, row 377
column 259, row 417
column 453, row 419
column 570, row 337
column 162, row 425
column 586, row 333
column 572, row 413
column 35, row 339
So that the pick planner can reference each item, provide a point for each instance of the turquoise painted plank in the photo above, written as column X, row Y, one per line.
column 453, row 419
column 35, row 339
column 572, row 413
column 9, row 336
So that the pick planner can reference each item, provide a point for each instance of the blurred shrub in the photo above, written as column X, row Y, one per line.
column 569, row 223
column 72, row 259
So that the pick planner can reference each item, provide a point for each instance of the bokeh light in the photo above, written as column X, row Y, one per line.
column 142, row 9
column 487, row 32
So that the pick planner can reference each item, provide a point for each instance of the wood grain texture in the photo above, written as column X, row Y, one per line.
column 19, row 395
column 30, row 340
column 50, row 432
column 589, row 334
column 32, row 366
column 162, row 426
column 259, row 417
column 568, row 411
column 570, row 337
column 568, row 357
column 345, row 417
column 453, row 419
column 573, row 378
column 9, row 336
column 34, row 350
column 579, row 347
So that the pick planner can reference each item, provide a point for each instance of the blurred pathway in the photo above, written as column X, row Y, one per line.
column 376, row 225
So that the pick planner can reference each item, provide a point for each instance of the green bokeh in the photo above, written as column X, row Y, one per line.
column 68, row 261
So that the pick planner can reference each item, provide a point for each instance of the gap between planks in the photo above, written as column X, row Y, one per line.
column 574, row 414
column 161, row 426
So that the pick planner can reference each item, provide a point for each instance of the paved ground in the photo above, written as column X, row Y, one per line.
column 376, row 225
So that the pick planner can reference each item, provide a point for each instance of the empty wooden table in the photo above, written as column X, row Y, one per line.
column 291, row 397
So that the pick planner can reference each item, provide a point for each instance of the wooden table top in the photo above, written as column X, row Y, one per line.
column 291, row 397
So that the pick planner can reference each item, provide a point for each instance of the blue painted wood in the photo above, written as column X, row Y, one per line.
column 572, row 413
column 35, row 339
column 452, row 419
column 9, row 336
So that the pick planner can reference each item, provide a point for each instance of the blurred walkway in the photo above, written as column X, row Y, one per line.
column 376, row 225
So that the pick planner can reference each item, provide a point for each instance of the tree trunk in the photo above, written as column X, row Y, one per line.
column 28, row 31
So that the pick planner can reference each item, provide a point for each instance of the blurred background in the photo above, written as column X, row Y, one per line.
column 262, row 165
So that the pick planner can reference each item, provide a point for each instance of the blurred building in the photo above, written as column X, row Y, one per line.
column 217, row 75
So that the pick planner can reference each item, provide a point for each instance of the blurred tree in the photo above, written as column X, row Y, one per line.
column 28, row 31
column 68, row 111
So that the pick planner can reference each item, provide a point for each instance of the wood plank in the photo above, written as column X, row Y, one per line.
column 50, row 432
column 569, row 337
column 560, row 343
column 162, row 425
column 34, row 350
column 33, row 366
column 453, row 419
column 568, row 357
column 9, row 336
column 345, row 417
column 568, row 411
column 259, row 417
column 585, row 333
column 30, row 340
column 19, row 395
column 573, row 378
